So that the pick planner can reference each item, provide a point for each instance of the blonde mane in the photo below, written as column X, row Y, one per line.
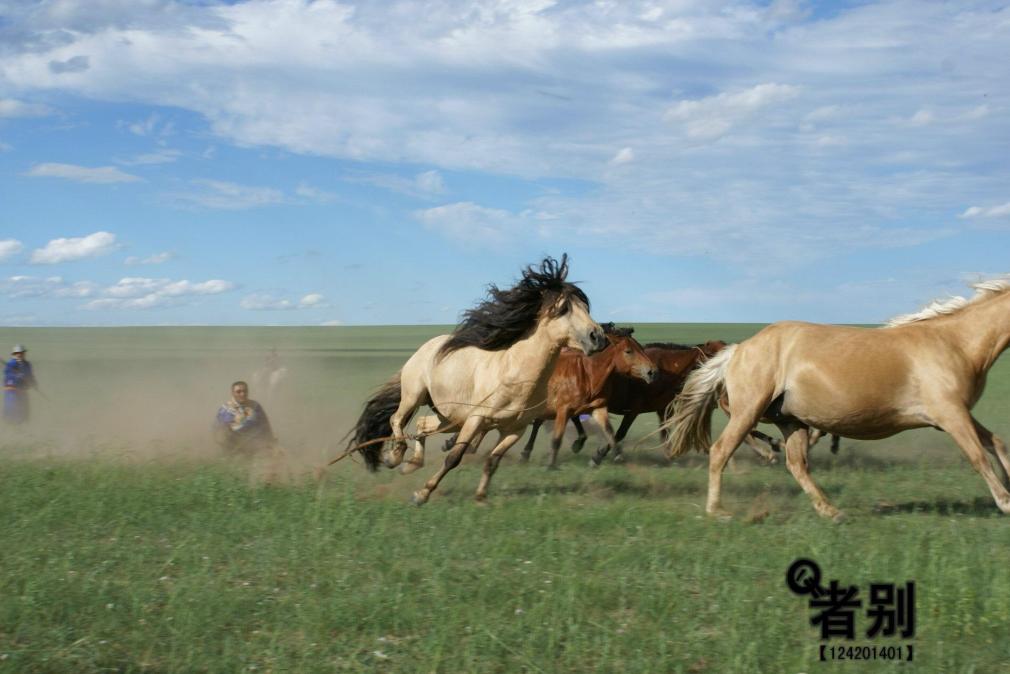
column 983, row 290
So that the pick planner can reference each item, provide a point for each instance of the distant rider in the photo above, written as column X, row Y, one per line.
column 18, row 378
column 242, row 426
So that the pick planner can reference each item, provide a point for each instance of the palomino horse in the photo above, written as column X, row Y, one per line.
column 922, row 369
column 490, row 373
column 582, row 384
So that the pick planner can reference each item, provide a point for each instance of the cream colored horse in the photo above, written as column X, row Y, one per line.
column 491, row 373
column 923, row 369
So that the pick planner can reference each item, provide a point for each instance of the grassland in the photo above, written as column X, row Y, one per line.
column 129, row 545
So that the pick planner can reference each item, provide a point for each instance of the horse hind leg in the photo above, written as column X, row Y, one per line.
column 580, row 441
column 425, row 426
column 528, row 449
column 752, row 439
column 558, row 434
column 602, row 418
column 797, row 442
column 505, row 441
column 470, row 432
column 997, row 449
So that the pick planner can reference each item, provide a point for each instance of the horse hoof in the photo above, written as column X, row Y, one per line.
column 524, row 458
column 720, row 515
column 480, row 499
column 619, row 458
column 418, row 498
column 839, row 517
column 577, row 446
column 409, row 467
column 593, row 463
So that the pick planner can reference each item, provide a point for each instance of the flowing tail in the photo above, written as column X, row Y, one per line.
column 692, row 409
column 374, row 422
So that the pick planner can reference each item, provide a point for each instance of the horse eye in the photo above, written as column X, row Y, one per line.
column 627, row 352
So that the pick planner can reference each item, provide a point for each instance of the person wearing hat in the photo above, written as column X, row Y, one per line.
column 18, row 378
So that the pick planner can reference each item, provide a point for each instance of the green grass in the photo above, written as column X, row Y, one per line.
column 130, row 546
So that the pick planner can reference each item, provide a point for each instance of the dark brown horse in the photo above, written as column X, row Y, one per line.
column 630, row 397
column 583, row 384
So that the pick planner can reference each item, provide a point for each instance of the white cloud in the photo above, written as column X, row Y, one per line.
column 147, row 293
column 312, row 300
column 14, row 108
column 314, row 194
column 224, row 195
column 78, row 248
column 84, row 174
column 9, row 248
column 162, row 156
column 1000, row 211
column 157, row 258
column 266, row 302
column 430, row 182
column 20, row 287
column 624, row 156
column 470, row 224
column 269, row 302
column 712, row 117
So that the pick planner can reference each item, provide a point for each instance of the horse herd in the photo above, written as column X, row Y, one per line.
column 533, row 352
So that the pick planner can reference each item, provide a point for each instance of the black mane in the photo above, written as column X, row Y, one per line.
column 508, row 315
column 672, row 346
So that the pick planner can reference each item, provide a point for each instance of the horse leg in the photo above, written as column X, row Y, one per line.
column 505, row 441
column 835, row 443
column 424, row 427
column 664, row 432
column 558, row 434
column 581, row 440
column 959, row 424
column 994, row 445
column 409, row 402
column 814, row 436
column 602, row 418
column 528, row 449
column 625, row 426
column 775, row 445
column 752, row 441
column 722, row 450
column 797, row 441
column 470, row 431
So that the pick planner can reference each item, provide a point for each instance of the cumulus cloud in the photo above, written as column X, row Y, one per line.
column 83, row 174
column 157, row 258
column 148, row 293
column 9, row 248
column 269, row 302
column 77, row 248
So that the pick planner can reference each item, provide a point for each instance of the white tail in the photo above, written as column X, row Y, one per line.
column 692, row 409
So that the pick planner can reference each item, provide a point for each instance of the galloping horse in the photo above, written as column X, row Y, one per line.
column 490, row 373
column 582, row 384
column 922, row 369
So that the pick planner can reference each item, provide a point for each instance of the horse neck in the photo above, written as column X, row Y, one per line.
column 678, row 362
column 599, row 368
column 983, row 330
column 536, row 354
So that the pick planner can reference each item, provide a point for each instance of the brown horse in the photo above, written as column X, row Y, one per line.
column 923, row 369
column 490, row 373
column 582, row 384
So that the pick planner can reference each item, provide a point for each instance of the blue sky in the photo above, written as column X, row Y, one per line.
column 285, row 162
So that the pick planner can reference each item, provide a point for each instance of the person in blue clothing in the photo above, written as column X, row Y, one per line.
column 18, row 378
column 242, row 426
